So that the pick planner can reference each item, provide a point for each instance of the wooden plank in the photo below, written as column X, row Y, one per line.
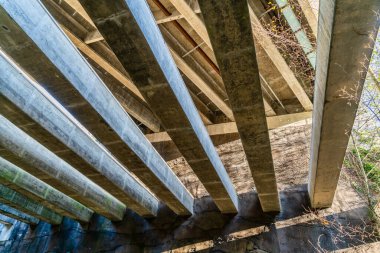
column 309, row 15
column 192, row 18
column 230, row 127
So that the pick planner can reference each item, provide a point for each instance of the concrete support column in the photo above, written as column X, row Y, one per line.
column 35, row 20
column 229, row 27
column 346, row 32
column 131, row 31
column 33, row 153
column 40, row 106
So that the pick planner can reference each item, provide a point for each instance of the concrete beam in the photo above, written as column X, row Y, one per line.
column 44, row 109
column 22, row 49
column 33, row 153
column 232, row 41
column 11, row 175
column 193, row 19
column 21, row 120
column 346, row 32
column 181, row 64
column 231, row 128
column 142, row 50
column 28, row 206
column 202, row 85
column 136, row 107
column 17, row 215
column 132, row 100
column 141, row 114
column 141, row 158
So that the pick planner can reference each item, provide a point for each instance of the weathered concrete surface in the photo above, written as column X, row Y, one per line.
column 29, row 206
column 103, row 61
column 346, row 33
column 72, row 182
column 22, row 49
column 17, row 215
column 139, row 153
column 130, row 30
column 39, row 105
column 294, row 230
column 290, row 150
column 22, row 121
column 15, row 178
column 232, row 41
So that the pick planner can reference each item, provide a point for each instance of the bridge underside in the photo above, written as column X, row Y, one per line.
column 144, row 108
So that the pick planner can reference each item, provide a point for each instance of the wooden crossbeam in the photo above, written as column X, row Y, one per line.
column 231, row 128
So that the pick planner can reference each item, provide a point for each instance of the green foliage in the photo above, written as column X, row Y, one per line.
column 370, row 159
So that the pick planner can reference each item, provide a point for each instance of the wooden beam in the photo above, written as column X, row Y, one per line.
column 75, row 4
column 93, row 37
column 192, row 18
column 268, row 108
column 309, row 15
column 230, row 127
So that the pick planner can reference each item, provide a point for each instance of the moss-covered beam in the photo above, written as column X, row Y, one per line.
column 28, row 206
column 47, row 195
column 33, row 153
column 17, row 215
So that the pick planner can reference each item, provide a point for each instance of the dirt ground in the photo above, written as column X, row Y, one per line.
column 290, row 150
